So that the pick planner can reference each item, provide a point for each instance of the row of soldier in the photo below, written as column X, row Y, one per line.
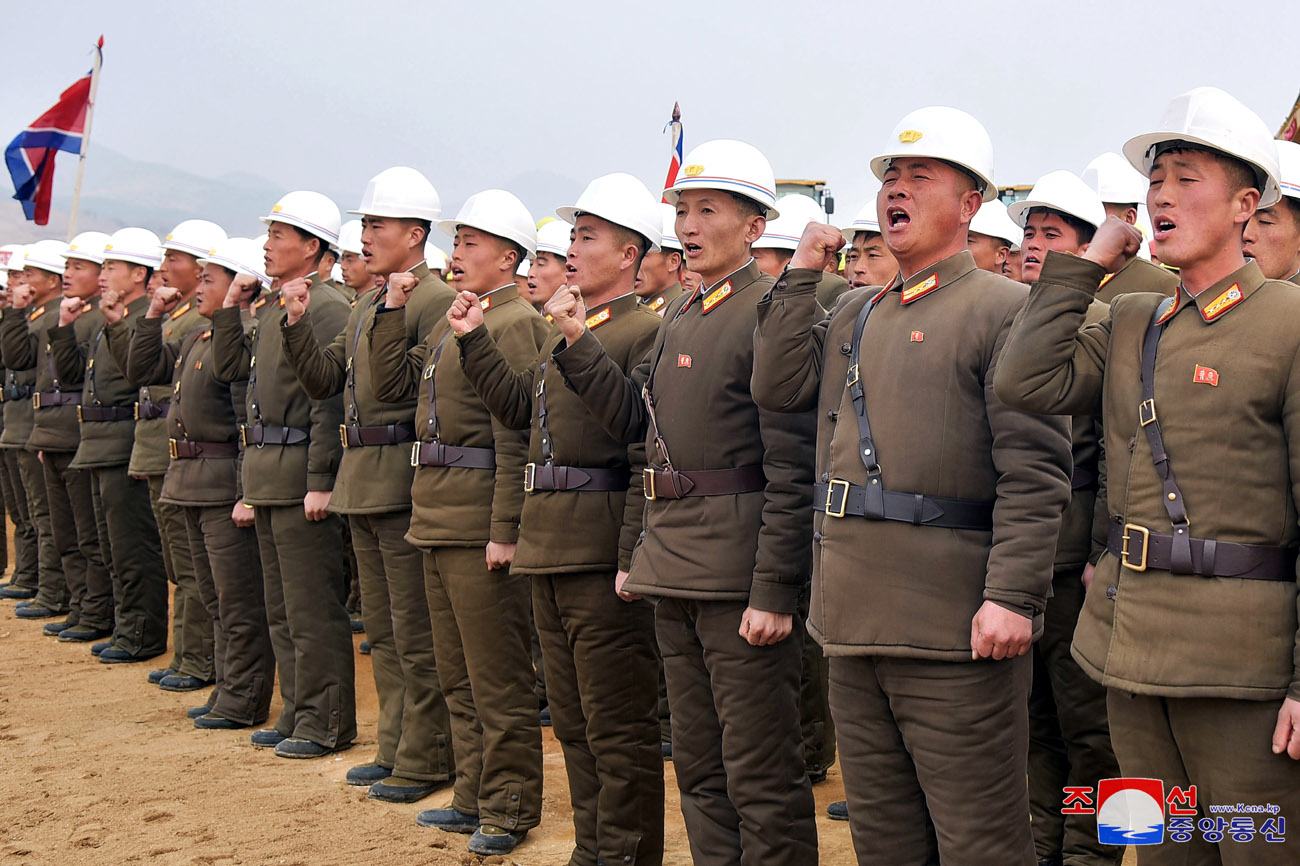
column 990, row 597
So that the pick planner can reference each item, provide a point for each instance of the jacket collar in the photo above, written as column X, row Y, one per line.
column 929, row 280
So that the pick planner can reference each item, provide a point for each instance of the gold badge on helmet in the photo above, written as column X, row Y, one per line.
column 909, row 136
column 693, row 170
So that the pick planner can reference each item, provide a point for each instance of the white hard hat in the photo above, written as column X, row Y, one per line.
column 669, row 240
column 1288, row 159
column 1212, row 118
column 435, row 257
column 992, row 220
column 623, row 200
column 350, row 237
column 195, row 237
column 400, row 193
column 1063, row 191
column 11, row 257
column 1115, row 181
column 241, row 255
column 46, row 255
column 732, row 166
column 88, row 246
column 135, row 245
column 499, row 213
column 865, row 221
column 309, row 211
column 783, row 233
column 554, row 237
column 336, row 273
column 949, row 134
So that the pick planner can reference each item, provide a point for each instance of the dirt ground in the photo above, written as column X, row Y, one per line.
column 99, row 767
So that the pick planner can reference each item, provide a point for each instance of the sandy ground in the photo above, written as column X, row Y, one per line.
column 101, row 768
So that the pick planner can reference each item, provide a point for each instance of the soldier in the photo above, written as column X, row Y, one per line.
column 128, row 535
column 932, row 737
column 373, row 487
column 356, row 279
column 1272, row 236
column 867, row 261
column 725, row 547
column 597, row 642
column 88, row 591
column 191, row 664
column 658, row 282
column 991, row 236
column 466, row 500
column 548, row 270
column 1011, row 270
column 1202, row 524
column 291, row 456
column 203, row 482
column 24, row 486
column 773, row 250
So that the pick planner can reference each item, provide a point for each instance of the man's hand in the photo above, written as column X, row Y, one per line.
column 569, row 311
column 764, row 628
column 296, row 295
column 818, row 247
column 465, row 313
column 500, row 555
column 241, row 291
column 314, row 505
column 164, row 300
column 1114, row 244
column 1089, row 571
column 242, row 515
column 999, row 633
column 619, row 580
column 70, row 308
column 1286, row 736
column 22, row 297
column 400, row 287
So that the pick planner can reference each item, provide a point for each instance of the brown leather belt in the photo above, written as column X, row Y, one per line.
column 839, row 498
column 1084, row 478
column 105, row 413
column 390, row 434
column 1139, row 549
column 675, row 484
column 459, row 456
column 185, row 449
column 148, row 410
column 16, row 392
column 260, row 434
column 548, row 476
column 50, row 399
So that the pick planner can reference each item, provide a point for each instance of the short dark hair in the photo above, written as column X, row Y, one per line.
column 1241, row 173
column 748, row 207
column 1084, row 230
column 1292, row 204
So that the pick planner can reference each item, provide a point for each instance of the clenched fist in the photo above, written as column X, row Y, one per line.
column 241, row 291
column 400, row 287
column 22, row 296
column 465, row 313
column 70, row 309
column 818, row 247
column 164, row 300
column 569, row 311
column 1114, row 244
column 295, row 294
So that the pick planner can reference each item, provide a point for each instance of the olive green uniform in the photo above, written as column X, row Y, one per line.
column 658, row 303
column 130, row 545
column 292, row 447
column 601, row 668
column 55, row 436
column 932, row 744
column 202, row 484
column 479, row 617
column 24, row 499
column 373, row 490
column 1196, row 663
column 829, row 289
column 706, row 558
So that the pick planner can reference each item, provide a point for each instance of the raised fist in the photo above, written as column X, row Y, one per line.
column 465, row 313
column 164, row 300
column 241, row 291
column 818, row 246
column 70, row 309
column 569, row 311
column 22, row 296
column 1114, row 244
column 295, row 295
column 400, row 287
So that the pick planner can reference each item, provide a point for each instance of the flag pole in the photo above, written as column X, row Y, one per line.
column 85, row 138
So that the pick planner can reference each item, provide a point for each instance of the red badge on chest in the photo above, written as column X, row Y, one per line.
column 1206, row 376
column 683, row 360
column 918, row 337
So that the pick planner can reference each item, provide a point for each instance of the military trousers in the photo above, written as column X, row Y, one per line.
column 76, row 535
column 26, row 551
column 815, row 721
column 228, row 571
column 603, row 679
column 414, row 729
column 480, row 637
column 737, row 749
column 192, row 629
column 305, row 587
column 135, row 553
column 1224, row 748
column 1069, row 738
column 52, row 586
column 933, row 757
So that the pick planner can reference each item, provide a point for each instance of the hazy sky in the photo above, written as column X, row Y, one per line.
column 323, row 95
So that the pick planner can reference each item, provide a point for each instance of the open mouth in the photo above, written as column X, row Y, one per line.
column 1030, row 260
column 692, row 249
column 457, row 272
column 1163, row 225
column 897, row 217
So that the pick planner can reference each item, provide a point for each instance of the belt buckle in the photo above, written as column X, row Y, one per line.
column 79, row 418
column 135, row 412
column 243, row 435
column 415, row 455
column 343, row 434
column 649, row 475
column 1124, row 554
column 530, row 476
column 36, row 400
column 171, row 448
column 1147, row 412
column 837, row 484
column 852, row 377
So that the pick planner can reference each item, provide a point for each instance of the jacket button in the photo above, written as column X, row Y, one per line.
column 817, row 536
column 826, row 476
column 1112, row 591
column 832, row 414
column 845, row 349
